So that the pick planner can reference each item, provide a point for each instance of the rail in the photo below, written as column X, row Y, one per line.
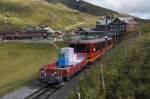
column 45, row 92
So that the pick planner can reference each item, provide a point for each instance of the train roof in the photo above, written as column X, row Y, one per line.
column 89, row 41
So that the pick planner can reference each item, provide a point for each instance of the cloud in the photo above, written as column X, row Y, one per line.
column 140, row 8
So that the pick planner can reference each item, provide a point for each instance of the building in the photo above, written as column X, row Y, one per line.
column 131, row 23
column 104, row 24
column 110, row 26
column 117, row 25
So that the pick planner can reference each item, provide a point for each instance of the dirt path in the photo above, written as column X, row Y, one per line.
column 78, row 24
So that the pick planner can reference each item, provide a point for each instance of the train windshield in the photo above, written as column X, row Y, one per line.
column 81, row 48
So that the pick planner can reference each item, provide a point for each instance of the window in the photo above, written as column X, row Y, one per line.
column 98, row 46
column 109, row 42
column 81, row 48
column 103, row 44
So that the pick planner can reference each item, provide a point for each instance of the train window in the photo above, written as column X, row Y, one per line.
column 103, row 44
column 72, row 45
column 109, row 42
column 98, row 47
column 81, row 48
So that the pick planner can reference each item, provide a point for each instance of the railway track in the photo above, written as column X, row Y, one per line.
column 45, row 92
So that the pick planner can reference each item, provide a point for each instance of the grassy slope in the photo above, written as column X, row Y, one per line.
column 126, row 71
column 87, row 7
column 24, row 13
column 19, row 63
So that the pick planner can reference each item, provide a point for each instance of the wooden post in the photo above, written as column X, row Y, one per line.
column 115, row 38
column 125, row 50
column 102, row 74
column 79, row 95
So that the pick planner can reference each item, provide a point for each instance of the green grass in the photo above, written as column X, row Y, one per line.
column 38, row 12
column 126, row 71
column 19, row 63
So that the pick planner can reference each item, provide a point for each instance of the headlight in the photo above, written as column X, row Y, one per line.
column 55, row 73
column 43, row 71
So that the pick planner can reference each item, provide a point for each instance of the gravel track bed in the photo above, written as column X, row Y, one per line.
column 24, row 91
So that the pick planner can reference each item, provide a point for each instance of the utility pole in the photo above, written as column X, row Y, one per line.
column 78, row 94
column 106, row 25
column 140, row 28
column 125, row 50
column 58, row 52
column 78, row 2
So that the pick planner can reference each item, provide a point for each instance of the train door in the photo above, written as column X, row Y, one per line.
column 103, row 45
column 100, row 46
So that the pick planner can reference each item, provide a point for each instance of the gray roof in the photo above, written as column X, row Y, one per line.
column 126, row 19
column 103, row 22
column 90, row 41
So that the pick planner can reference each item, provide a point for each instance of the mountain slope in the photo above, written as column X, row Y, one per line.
column 92, row 9
column 17, row 14
column 85, row 7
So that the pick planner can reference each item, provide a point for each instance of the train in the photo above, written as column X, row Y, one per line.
column 24, row 35
column 90, row 50
column 40, row 33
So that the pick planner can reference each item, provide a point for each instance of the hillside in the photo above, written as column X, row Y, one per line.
column 85, row 7
column 89, row 8
column 17, row 14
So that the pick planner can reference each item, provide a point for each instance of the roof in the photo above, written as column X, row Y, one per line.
column 118, row 20
column 103, row 22
column 89, row 41
column 126, row 19
column 48, row 29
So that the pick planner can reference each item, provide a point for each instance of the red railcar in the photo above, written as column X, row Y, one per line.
column 90, row 50
column 50, row 73
column 93, row 49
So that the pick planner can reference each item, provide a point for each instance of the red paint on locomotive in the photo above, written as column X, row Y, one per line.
column 94, row 49
column 91, row 50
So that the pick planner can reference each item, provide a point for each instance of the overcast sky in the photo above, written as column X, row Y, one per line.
column 140, row 8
